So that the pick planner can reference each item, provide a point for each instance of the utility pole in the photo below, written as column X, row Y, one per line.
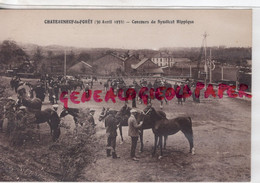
column 65, row 63
column 205, row 52
column 190, row 71
column 210, row 68
column 222, row 71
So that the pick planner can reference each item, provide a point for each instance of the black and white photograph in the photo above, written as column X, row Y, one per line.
column 124, row 95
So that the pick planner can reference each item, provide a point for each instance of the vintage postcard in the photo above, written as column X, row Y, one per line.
column 126, row 95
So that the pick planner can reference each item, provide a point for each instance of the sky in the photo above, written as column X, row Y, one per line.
column 230, row 28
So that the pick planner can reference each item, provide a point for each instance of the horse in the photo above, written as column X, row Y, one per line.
column 74, row 112
column 52, row 118
column 76, row 83
column 148, row 124
column 41, row 116
column 121, row 116
column 165, row 127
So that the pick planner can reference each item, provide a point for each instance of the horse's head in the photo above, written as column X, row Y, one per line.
column 127, row 111
column 150, row 116
column 103, row 114
column 64, row 112
column 154, row 115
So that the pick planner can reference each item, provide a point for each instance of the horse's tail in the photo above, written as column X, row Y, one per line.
column 190, row 121
column 55, row 125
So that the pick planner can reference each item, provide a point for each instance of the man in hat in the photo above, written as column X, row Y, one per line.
column 111, row 127
column 32, row 105
column 91, row 118
column 10, row 114
column 133, row 132
column 40, row 91
column 21, row 117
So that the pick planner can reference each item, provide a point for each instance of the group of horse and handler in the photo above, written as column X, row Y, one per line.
column 28, row 110
column 138, row 121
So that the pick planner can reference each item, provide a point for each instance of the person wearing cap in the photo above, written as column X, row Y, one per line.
column 51, row 95
column 56, row 92
column 40, row 91
column 21, row 116
column 32, row 105
column 133, row 132
column 111, row 127
column 10, row 115
column 91, row 118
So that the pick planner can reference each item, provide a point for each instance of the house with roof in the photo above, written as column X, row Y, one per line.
column 109, row 64
column 183, row 63
column 81, row 68
column 163, row 59
column 146, row 67
column 132, row 60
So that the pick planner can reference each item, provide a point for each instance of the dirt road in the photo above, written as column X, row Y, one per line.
column 222, row 141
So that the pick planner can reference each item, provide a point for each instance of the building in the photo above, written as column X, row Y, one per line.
column 163, row 59
column 108, row 64
column 132, row 60
column 181, row 67
column 146, row 67
column 80, row 68
column 183, row 63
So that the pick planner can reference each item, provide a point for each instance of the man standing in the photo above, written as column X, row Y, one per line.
column 40, row 91
column 33, row 106
column 91, row 118
column 10, row 115
column 133, row 132
column 111, row 127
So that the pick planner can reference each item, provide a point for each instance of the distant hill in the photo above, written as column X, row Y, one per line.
column 55, row 53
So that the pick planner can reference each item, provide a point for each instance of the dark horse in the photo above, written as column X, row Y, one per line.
column 51, row 117
column 123, row 121
column 121, row 116
column 74, row 112
column 41, row 116
column 163, row 126
column 148, row 124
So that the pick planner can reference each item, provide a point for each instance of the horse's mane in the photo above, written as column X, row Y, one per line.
column 158, row 115
column 161, row 114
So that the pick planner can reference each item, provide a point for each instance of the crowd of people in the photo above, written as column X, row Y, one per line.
column 25, row 113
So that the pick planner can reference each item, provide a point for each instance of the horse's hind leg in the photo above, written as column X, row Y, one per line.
column 141, row 141
column 121, row 133
column 155, row 144
column 189, row 135
column 165, row 139
column 161, row 152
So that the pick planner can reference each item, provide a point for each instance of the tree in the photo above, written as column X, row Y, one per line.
column 71, row 59
column 50, row 54
column 83, row 56
column 37, row 57
column 11, row 53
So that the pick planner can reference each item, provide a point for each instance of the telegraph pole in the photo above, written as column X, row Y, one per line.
column 205, row 52
column 65, row 63
column 210, row 68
